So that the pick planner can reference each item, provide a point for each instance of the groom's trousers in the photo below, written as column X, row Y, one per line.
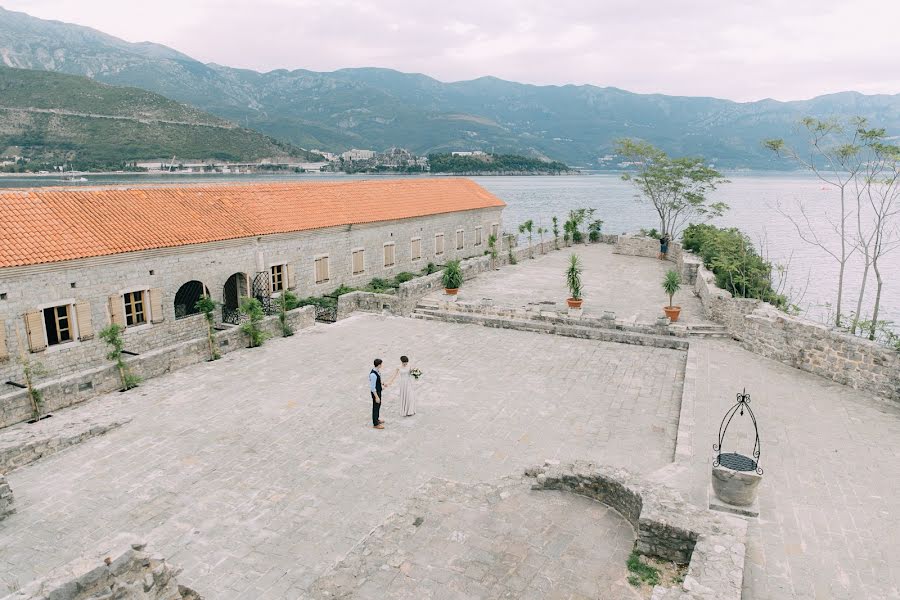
column 376, row 410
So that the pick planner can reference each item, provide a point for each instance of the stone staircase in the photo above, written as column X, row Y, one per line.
column 710, row 330
column 431, row 311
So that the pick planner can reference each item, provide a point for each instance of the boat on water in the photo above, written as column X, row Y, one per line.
column 73, row 178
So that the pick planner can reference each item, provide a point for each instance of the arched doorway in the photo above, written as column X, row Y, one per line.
column 235, row 289
column 186, row 298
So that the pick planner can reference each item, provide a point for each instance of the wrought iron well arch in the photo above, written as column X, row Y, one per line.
column 733, row 460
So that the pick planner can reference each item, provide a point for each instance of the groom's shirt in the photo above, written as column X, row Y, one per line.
column 373, row 380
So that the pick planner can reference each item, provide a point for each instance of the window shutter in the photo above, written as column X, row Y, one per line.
column 156, row 307
column 291, row 277
column 116, row 310
column 83, row 316
column 4, row 351
column 34, row 328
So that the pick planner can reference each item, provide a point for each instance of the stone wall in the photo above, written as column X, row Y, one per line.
column 95, row 280
column 124, row 570
column 713, row 545
column 82, row 385
column 802, row 343
column 6, row 498
column 647, row 247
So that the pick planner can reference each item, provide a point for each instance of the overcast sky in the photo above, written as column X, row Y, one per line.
column 743, row 50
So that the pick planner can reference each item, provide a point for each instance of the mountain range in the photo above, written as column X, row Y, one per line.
column 381, row 108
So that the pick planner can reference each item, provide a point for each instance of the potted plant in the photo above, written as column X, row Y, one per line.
column 672, row 283
column 452, row 277
column 573, row 280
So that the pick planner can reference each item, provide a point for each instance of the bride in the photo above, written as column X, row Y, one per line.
column 407, row 398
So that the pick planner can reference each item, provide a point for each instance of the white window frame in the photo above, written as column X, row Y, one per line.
column 354, row 251
column 393, row 246
column 411, row 242
column 463, row 232
column 148, row 311
column 316, row 259
column 443, row 239
column 73, row 317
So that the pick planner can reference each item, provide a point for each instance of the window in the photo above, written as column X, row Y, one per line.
column 389, row 255
column 460, row 239
column 186, row 299
column 359, row 261
column 495, row 231
column 277, row 278
column 478, row 236
column 322, row 269
column 438, row 244
column 135, row 313
column 415, row 249
column 58, row 324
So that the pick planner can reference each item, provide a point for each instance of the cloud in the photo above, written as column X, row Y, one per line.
column 743, row 51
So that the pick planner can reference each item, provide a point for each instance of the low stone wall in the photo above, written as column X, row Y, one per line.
column 802, row 343
column 6, row 499
column 712, row 545
column 125, row 570
column 60, row 393
column 647, row 247
column 24, row 444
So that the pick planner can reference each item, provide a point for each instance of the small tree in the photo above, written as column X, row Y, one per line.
column 677, row 188
column 671, row 284
column 253, row 310
column 526, row 227
column 594, row 229
column 541, row 231
column 510, row 242
column 112, row 335
column 286, row 301
column 207, row 306
column 573, row 277
column 31, row 370
column 492, row 249
column 556, row 233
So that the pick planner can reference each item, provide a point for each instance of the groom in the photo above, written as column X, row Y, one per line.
column 375, row 389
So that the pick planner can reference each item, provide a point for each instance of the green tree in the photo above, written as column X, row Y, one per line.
column 207, row 306
column 112, row 335
column 492, row 249
column 253, row 310
column 677, row 188
column 526, row 227
column 556, row 233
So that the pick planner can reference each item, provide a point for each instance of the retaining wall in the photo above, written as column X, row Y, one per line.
column 712, row 545
column 83, row 385
column 6, row 498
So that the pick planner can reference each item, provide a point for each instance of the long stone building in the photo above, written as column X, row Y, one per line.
column 74, row 260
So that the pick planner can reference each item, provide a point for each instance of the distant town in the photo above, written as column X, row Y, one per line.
column 393, row 160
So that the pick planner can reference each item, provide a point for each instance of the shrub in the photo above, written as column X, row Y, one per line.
column 253, row 310
column 403, row 277
column 730, row 255
column 671, row 284
column 651, row 233
column 594, row 229
column 429, row 269
column 286, row 301
column 452, row 278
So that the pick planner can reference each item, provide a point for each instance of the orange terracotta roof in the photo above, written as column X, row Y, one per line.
column 53, row 224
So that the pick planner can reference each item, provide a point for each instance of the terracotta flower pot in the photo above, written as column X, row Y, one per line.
column 573, row 303
column 451, row 291
column 672, row 312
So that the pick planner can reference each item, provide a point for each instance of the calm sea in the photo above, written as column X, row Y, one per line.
column 754, row 200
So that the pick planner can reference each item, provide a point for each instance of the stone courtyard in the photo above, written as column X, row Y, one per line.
column 261, row 476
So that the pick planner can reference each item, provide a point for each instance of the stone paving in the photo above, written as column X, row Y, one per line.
column 489, row 541
column 630, row 286
column 258, row 472
column 828, row 527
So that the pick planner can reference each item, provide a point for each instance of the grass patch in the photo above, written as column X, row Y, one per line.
column 641, row 572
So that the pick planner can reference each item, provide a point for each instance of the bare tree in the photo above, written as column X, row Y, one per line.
column 883, row 195
column 834, row 156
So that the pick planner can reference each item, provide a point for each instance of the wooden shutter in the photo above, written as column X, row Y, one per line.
column 156, row 307
column 116, row 310
column 358, row 262
column 83, row 316
column 291, row 277
column 4, row 351
column 34, row 328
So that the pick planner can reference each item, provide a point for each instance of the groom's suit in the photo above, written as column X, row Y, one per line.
column 376, row 389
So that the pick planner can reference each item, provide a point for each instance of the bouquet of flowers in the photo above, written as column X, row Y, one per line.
column 415, row 374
